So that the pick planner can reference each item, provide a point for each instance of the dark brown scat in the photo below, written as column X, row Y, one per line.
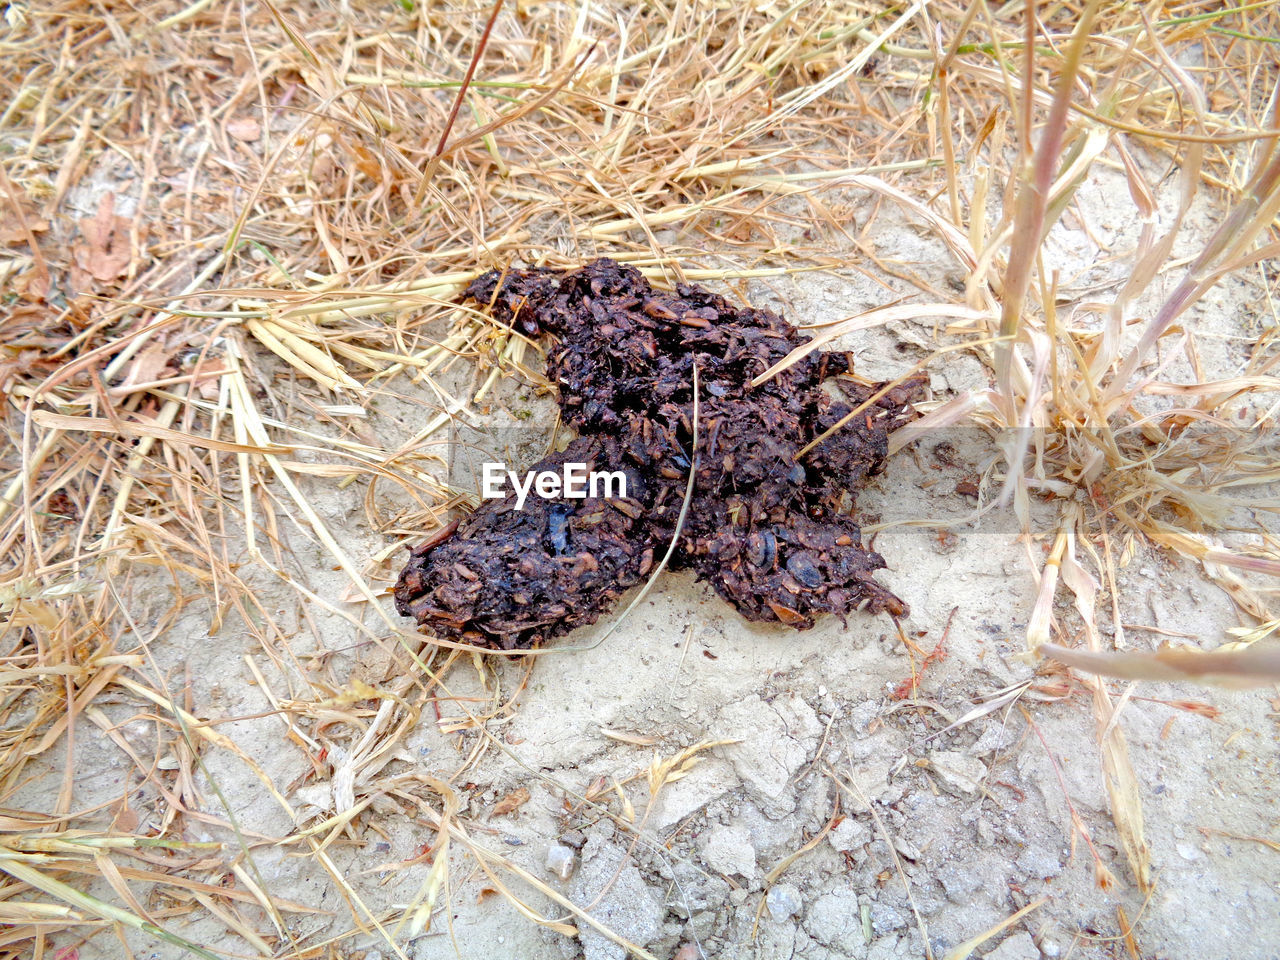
column 777, row 539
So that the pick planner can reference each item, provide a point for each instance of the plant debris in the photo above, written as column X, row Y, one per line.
column 772, row 532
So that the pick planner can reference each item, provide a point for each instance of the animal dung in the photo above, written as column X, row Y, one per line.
column 773, row 532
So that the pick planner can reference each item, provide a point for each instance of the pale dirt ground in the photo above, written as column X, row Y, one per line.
column 805, row 708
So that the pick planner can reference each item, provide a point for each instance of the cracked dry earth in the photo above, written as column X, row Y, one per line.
column 979, row 819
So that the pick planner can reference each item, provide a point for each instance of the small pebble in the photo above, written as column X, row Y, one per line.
column 907, row 848
column 728, row 850
column 561, row 860
column 573, row 838
column 958, row 772
column 783, row 901
column 849, row 835
column 1016, row 946
column 886, row 918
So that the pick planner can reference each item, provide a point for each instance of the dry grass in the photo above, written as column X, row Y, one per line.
column 235, row 235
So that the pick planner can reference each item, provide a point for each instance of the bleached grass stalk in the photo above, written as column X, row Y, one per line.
column 1029, row 222
column 1230, row 249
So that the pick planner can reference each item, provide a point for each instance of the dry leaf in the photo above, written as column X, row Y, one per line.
column 148, row 366
column 512, row 802
column 366, row 162
column 126, row 819
column 245, row 129
column 106, row 253
column 207, row 377
column 30, row 285
column 15, row 232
